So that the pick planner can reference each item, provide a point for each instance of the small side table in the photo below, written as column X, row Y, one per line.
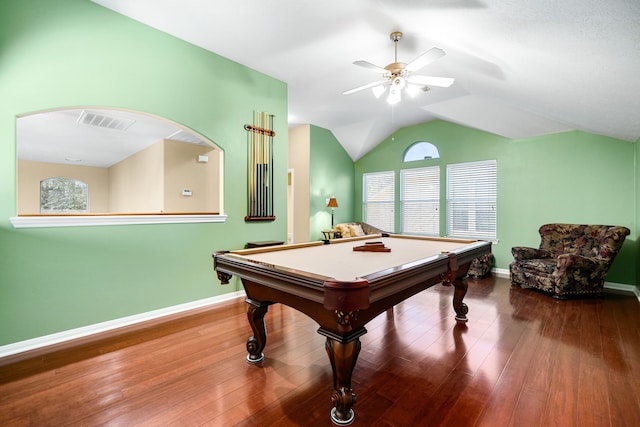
column 330, row 234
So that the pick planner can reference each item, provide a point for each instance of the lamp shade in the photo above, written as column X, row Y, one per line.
column 333, row 203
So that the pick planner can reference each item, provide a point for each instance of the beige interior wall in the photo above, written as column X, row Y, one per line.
column 183, row 171
column 213, row 180
column 299, row 158
column 136, row 183
column 30, row 174
column 149, row 181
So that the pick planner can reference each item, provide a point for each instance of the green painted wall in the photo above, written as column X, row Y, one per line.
column 331, row 172
column 71, row 53
column 572, row 177
column 636, row 189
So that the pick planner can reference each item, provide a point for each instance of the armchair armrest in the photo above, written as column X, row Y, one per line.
column 522, row 252
column 575, row 262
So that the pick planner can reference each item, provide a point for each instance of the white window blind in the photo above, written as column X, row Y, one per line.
column 420, row 200
column 378, row 194
column 471, row 199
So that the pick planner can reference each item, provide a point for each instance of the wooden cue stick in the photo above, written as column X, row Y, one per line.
column 249, row 160
column 265, row 168
column 265, row 183
column 252, row 172
column 259, row 162
column 250, row 183
column 249, row 171
column 270, row 142
column 255, row 170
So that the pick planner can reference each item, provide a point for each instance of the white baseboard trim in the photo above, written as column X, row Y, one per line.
column 631, row 289
column 500, row 272
column 72, row 334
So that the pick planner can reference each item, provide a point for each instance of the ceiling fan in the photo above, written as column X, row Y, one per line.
column 398, row 75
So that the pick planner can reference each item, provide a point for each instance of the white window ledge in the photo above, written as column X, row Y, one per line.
column 100, row 220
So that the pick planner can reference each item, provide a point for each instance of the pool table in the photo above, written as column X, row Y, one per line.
column 342, row 284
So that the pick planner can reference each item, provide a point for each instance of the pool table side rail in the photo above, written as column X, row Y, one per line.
column 426, row 271
column 302, row 284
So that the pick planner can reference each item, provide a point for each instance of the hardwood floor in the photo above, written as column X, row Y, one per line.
column 523, row 359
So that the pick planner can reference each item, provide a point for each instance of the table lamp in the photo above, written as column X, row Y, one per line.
column 333, row 203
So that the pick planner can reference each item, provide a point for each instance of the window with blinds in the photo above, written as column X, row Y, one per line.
column 471, row 199
column 378, row 194
column 420, row 200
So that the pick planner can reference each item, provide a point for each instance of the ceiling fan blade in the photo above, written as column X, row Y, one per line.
column 425, row 59
column 367, row 86
column 431, row 81
column 370, row 66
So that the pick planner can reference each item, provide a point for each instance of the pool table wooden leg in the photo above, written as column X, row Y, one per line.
column 460, row 285
column 255, row 313
column 460, row 290
column 343, row 354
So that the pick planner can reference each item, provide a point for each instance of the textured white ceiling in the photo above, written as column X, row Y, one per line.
column 60, row 136
column 522, row 68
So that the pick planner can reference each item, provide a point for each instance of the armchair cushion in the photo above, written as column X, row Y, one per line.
column 572, row 259
column 522, row 252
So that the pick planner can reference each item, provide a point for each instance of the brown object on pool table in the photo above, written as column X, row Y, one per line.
column 342, row 290
column 372, row 247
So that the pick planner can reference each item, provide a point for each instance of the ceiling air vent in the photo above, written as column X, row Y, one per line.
column 90, row 118
column 184, row 136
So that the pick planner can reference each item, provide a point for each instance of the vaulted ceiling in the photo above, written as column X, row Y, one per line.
column 522, row 68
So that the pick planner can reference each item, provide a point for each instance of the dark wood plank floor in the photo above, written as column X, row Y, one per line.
column 523, row 359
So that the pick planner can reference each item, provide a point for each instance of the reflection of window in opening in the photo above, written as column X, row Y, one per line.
column 63, row 195
column 421, row 151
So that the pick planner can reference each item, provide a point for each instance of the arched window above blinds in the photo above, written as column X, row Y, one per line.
column 421, row 150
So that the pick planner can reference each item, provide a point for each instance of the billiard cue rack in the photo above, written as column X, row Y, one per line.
column 260, row 167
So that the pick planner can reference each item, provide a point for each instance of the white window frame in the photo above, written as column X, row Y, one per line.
column 472, row 200
column 378, row 199
column 420, row 201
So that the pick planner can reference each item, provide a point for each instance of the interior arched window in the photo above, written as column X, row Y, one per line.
column 141, row 169
column 63, row 195
column 421, row 150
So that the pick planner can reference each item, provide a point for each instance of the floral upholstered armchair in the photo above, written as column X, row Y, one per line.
column 572, row 259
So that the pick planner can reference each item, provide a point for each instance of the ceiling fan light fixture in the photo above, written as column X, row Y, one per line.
column 378, row 90
column 399, row 76
column 398, row 82
column 395, row 95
